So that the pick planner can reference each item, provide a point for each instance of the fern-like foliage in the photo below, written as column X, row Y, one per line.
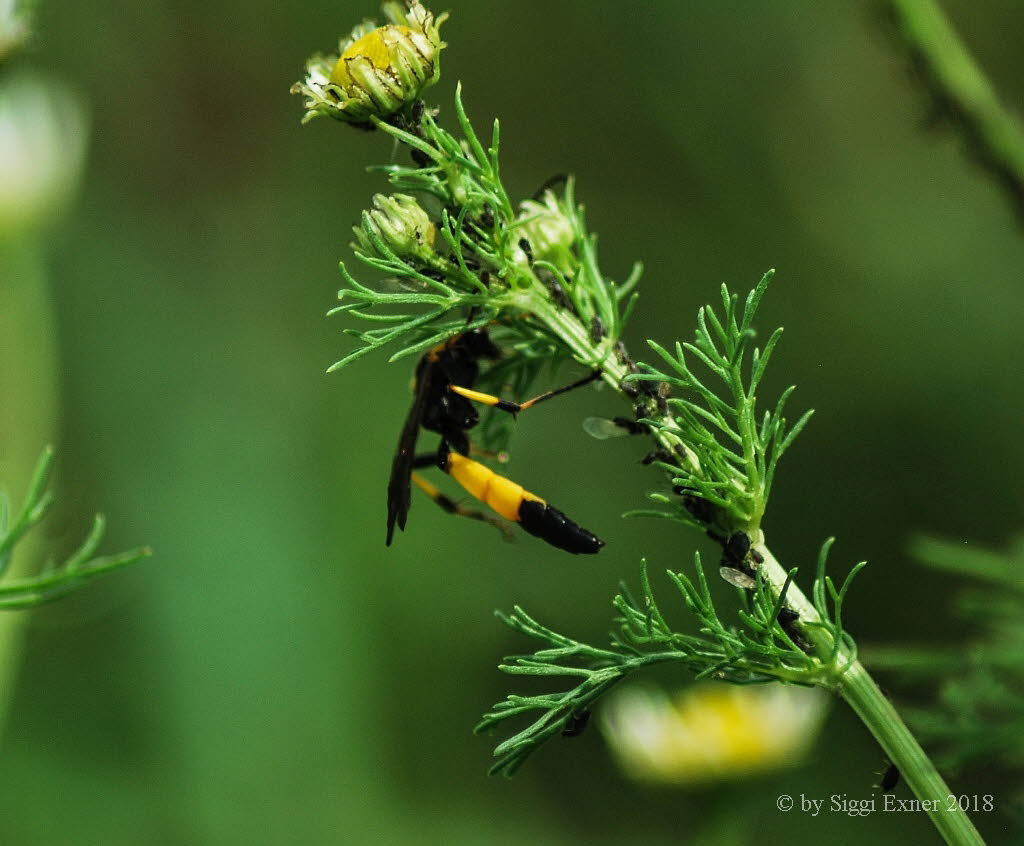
column 55, row 581
column 768, row 643
column 477, row 266
column 736, row 453
column 977, row 712
column 459, row 255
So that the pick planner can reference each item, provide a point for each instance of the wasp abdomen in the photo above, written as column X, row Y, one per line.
column 549, row 524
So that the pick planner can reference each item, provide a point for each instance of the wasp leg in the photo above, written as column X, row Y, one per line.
column 435, row 459
column 501, row 456
column 514, row 408
column 452, row 507
column 426, row 459
column 550, row 184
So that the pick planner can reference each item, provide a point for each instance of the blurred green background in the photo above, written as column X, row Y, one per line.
column 275, row 675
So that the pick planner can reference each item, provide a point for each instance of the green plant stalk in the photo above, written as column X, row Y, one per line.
column 877, row 713
column 28, row 407
column 855, row 685
column 993, row 130
column 875, row 710
column 575, row 336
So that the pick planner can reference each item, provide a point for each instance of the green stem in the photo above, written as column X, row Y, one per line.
column 960, row 86
column 28, row 407
column 576, row 337
column 855, row 685
column 748, row 435
column 878, row 714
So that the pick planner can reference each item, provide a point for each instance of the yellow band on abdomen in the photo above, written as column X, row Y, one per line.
column 503, row 495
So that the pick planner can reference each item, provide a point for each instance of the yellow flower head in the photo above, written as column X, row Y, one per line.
column 711, row 731
column 377, row 70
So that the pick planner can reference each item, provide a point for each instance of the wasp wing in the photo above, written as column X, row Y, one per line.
column 400, row 484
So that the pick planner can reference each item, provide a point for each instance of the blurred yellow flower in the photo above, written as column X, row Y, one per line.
column 711, row 731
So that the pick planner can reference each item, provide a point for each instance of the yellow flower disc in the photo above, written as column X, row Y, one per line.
column 374, row 46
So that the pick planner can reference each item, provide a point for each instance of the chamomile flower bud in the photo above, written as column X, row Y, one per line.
column 711, row 731
column 549, row 232
column 401, row 224
column 377, row 70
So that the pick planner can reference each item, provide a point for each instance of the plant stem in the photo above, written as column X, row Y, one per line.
column 28, row 407
column 856, row 685
column 882, row 720
column 962, row 89
column 575, row 336
column 878, row 714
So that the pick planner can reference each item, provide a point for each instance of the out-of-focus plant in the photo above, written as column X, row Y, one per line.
column 54, row 580
column 977, row 714
column 43, row 133
column 458, row 253
column 14, row 27
column 960, row 92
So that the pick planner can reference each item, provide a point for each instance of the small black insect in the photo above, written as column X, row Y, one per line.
column 734, row 567
column 788, row 619
column 526, row 247
column 890, row 778
column 661, row 455
column 632, row 427
column 558, row 295
column 699, row 508
column 659, row 392
column 577, row 723
column 734, row 552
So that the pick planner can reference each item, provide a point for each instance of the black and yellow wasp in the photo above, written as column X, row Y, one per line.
column 443, row 403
